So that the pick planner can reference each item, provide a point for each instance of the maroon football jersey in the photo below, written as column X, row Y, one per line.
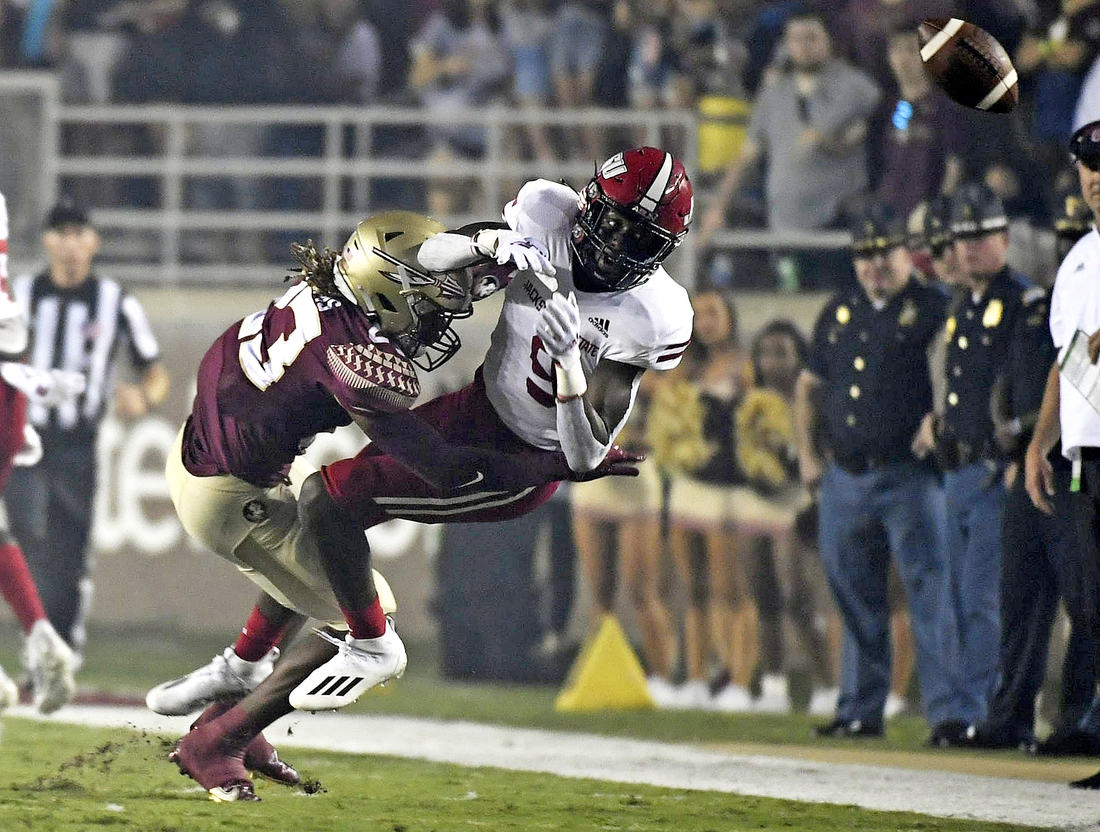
column 280, row 376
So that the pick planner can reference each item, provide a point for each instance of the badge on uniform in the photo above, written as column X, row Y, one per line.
column 908, row 315
column 843, row 315
column 993, row 313
column 949, row 329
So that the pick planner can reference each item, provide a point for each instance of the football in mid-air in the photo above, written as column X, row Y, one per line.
column 968, row 64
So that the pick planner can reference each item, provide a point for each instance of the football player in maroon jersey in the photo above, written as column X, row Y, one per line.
column 338, row 347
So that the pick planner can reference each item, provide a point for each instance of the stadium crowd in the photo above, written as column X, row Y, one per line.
column 812, row 118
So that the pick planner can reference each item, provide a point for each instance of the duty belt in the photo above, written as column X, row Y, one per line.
column 958, row 453
column 856, row 463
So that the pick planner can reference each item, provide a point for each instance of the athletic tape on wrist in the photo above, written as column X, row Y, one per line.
column 571, row 381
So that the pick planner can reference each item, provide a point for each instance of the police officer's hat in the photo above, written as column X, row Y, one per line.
column 1074, row 216
column 876, row 227
column 930, row 224
column 1084, row 145
column 976, row 211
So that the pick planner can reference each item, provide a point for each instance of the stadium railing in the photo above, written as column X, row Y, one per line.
column 142, row 197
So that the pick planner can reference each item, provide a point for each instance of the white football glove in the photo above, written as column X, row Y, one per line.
column 31, row 452
column 559, row 327
column 47, row 388
column 512, row 247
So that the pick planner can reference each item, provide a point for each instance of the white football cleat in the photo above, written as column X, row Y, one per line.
column 360, row 664
column 9, row 691
column 49, row 660
column 227, row 676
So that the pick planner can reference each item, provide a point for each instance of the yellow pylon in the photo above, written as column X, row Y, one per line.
column 606, row 675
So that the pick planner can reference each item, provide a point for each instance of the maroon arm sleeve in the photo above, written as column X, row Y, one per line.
column 421, row 449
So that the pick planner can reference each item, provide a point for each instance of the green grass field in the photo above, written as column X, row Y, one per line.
column 58, row 777
column 66, row 779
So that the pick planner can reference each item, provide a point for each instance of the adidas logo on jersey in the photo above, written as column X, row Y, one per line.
column 602, row 325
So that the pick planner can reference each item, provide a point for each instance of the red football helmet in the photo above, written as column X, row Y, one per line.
column 634, row 212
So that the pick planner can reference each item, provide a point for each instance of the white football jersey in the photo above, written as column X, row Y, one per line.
column 648, row 326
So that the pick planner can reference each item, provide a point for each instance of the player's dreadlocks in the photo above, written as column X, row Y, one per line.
column 316, row 267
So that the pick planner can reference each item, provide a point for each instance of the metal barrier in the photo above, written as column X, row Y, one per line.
column 54, row 148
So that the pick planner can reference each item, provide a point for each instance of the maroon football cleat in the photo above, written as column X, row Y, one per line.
column 199, row 755
column 260, row 757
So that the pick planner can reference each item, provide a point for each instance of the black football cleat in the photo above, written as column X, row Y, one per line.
column 855, row 728
column 951, row 733
column 1090, row 782
column 1069, row 741
column 999, row 737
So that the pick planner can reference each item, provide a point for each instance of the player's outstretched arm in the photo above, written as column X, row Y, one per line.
column 422, row 449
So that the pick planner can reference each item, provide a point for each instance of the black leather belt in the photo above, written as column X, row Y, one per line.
column 952, row 454
column 862, row 463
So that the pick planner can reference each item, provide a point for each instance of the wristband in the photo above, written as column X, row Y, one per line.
column 571, row 381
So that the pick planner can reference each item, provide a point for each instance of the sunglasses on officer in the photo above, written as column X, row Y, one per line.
column 1084, row 147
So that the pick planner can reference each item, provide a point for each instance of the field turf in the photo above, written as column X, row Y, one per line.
column 55, row 777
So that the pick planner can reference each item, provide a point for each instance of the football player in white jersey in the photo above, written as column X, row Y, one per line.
column 588, row 308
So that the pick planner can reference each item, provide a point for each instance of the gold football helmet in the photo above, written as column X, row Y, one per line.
column 414, row 307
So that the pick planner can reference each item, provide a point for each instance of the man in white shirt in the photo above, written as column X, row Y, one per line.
column 1066, row 413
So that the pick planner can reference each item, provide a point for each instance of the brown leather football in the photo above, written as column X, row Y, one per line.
column 968, row 64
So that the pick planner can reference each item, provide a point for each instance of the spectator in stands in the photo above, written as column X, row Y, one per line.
column 617, row 531
column 920, row 156
column 526, row 26
column 459, row 63
column 233, row 53
column 864, row 29
column 692, row 432
column 763, row 36
column 575, row 51
column 355, row 51
column 811, row 125
column 654, row 74
column 1053, row 60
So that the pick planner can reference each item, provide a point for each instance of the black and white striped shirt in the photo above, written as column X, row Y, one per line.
column 80, row 329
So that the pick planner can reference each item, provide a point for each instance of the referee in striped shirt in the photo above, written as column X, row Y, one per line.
column 78, row 320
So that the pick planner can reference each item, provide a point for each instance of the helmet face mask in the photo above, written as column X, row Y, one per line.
column 414, row 308
column 634, row 213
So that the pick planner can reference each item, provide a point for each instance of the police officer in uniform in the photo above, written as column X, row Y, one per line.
column 931, row 243
column 1040, row 555
column 868, row 384
column 978, row 336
